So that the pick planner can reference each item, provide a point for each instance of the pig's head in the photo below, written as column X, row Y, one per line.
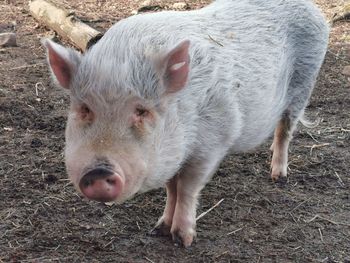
column 117, row 123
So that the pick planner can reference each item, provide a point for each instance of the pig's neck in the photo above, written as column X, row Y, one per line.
column 172, row 141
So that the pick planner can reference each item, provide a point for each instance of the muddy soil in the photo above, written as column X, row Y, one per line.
column 43, row 219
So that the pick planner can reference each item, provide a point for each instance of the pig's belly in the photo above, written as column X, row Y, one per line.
column 255, row 130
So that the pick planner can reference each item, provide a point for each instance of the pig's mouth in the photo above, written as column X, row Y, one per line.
column 101, row 183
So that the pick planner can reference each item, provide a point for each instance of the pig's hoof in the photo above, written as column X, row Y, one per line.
column 278, row 173
column 160, row 230
column 182, row 238
column 281, row 180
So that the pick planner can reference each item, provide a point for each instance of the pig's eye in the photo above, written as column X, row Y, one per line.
column 141, row 112
column 142, row 119
column 85, row 113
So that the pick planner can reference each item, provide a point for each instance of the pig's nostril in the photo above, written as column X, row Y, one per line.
column 86, row 183
column 93, row 175
column 101, row 184
column 110, row 181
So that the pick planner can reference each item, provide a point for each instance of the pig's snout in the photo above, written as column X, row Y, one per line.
column 101, row 184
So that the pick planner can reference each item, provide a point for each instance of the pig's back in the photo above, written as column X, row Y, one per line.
column 242, row 53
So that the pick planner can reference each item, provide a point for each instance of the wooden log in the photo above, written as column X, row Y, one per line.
column 64, row 23
column 344, row 15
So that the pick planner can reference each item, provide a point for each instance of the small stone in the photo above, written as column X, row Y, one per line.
column 134, row 12
column 146, row 3
column 9, row 27
column 346, row 71
column 35, row 143
column 149, row 8
column 180, row 5
column 8, row 40
column 345, row 38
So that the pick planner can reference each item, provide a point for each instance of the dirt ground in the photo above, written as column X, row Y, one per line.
column 43, row 219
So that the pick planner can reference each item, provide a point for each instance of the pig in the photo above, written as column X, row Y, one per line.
column 162, row 98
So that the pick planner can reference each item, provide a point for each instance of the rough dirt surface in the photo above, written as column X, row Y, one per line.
column 43, row 219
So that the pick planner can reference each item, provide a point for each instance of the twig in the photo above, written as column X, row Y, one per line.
column 312, row 137
column 319, row 230
column 234, row 231
column 27, row 66
column 138, row 226
column 110, row 242
column 17, row 226
column 325, row 219
column 303, row 202
column 37, row 87
column 53, row 197
column 316, row 146
column 70, row 183
column 149, row 260
column 339, row 179
column 206, row 212
column 217, row 42
column 223, row 253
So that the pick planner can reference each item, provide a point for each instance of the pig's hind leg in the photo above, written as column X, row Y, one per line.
column 281, row 139
column 300, row 88
column 308, row 57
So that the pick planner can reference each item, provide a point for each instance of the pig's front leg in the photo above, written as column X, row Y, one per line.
column 179, row 216
column 189, row 182
column 163, row 226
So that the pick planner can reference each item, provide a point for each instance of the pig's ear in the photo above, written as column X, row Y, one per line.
column 175, row 67
column 63, row 62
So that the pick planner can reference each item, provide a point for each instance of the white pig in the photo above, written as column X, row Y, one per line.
column 163, row 97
